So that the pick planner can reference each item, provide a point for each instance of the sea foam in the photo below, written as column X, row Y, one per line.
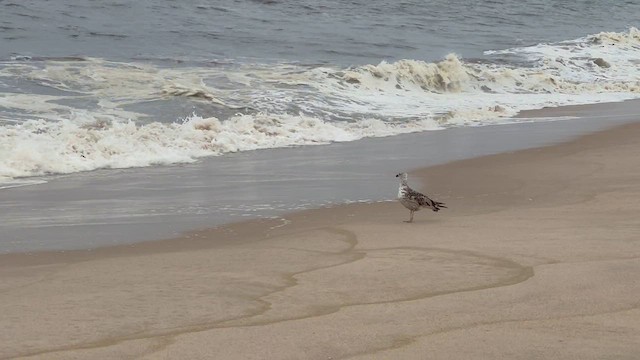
column 39, row 147
column 260, row 106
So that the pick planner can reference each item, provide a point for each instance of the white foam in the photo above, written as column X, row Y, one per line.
column 586, row 70
column 39, row 147
column 602, row 62
column 291, row 105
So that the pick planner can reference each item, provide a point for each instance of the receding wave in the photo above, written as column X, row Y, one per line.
column 103, row 114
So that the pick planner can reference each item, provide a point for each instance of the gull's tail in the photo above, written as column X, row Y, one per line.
column 437, row 205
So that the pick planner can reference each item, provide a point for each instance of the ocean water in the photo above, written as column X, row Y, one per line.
column 88, row 85
column 137, row 120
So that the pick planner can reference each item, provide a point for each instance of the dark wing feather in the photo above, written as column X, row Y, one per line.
column 424, row 200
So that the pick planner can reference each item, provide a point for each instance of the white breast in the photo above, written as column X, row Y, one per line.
column 401, row 191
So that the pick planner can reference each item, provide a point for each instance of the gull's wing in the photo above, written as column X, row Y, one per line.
column 423, row 200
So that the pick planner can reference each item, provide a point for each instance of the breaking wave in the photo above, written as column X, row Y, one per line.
column 605, row 62
column 100, row 114
column 39, row 147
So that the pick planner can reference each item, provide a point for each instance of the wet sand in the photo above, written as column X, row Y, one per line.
column 536, row 258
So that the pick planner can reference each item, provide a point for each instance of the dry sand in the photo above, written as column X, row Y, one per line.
column 537, row 257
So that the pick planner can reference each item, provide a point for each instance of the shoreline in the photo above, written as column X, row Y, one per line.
column 39, row 257
column 106, row 208
column 534, row 242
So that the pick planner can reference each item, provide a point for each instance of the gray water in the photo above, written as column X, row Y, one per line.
column 315, row 31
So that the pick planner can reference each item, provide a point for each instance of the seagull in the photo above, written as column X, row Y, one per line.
column 414, row 200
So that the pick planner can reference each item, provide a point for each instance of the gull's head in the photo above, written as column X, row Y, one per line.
column 402, row 176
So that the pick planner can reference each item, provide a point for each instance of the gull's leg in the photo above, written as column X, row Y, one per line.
column 411, row 217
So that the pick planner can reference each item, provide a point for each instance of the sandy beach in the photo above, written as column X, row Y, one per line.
column 537, row 257
column 217, row 180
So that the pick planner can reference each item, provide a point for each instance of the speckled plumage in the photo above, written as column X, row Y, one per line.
column 414, row 200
